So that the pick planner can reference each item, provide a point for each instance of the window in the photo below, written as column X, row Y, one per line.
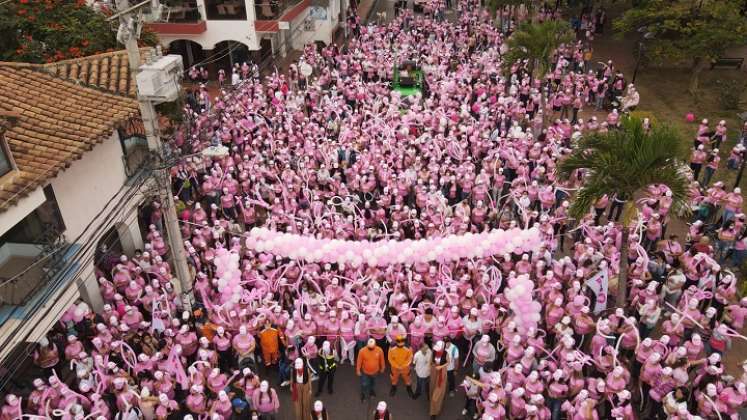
column 225, row 9
column 42, row 226
column 5, row 164
column 273, row 9
column 134, row 146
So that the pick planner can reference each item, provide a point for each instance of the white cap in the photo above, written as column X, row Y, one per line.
column 381, row 406
column 318, row 406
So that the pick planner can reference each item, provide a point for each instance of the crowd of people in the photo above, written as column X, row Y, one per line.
column 339, row 155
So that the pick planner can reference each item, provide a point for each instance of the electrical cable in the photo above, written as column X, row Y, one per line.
column 210, row 59
column 126, row 197
column 32, row 183
column 114, row 213
column 82, row 265
column 95, row 238
column 86, row 262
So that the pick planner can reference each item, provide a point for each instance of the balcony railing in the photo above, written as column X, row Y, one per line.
column 272, row 9
column 26, row 267
column 182, row 11
column 225, row 9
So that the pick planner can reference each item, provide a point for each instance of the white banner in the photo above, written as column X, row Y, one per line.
column 599, row 284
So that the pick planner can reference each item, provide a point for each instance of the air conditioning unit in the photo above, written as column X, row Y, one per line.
column 159, row 81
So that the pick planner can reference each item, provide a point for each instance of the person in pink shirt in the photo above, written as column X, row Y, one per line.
column 732, row 203
column 697, row 159
column 244, row 344
column 196, row 401
column 12, row 409
column 265, row 400
column 712, row 163
column 222, row 406
column 165, row 407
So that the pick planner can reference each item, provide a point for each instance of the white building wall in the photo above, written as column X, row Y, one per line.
column 83, row 189
column 324, row 29
column 218, row 31
column 300, row 36
column 221, row 30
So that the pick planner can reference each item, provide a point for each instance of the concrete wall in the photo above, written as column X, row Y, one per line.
column 83, row 189
column 38, row 323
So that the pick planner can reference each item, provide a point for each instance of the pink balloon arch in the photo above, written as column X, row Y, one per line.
column 388, row 252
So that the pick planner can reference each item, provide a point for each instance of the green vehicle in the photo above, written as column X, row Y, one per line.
column 408, row 78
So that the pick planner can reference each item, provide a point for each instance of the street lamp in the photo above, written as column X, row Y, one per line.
column 644, row 35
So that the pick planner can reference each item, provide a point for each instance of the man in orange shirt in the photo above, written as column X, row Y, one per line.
column 369, row 364
column 400, row 359
column 270, row 340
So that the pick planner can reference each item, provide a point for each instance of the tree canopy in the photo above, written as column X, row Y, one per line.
column 39, row 31
column 624, row 162
column 687, row 31
column 536, row 43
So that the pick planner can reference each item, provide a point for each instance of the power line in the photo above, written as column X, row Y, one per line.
column 82, row 265
column 114, row 213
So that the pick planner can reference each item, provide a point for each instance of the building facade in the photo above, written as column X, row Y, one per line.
column 72, row 188
column 219, row 33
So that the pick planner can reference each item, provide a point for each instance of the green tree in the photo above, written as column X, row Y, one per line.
column 39, row 31
column 536, row 42
column 623, row 163
column 687, row 31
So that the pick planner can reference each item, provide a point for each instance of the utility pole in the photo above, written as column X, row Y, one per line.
column 130, row 21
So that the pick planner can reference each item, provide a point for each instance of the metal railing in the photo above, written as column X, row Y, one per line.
column 20, row 288
column 225, row 9
column 182, row 11
column 272, row 9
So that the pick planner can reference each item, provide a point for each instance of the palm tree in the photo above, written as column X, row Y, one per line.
column 536, row 42
column 623, row 162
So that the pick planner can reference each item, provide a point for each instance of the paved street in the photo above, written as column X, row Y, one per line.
column 345, row 403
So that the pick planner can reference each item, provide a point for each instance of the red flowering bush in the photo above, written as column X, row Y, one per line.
column 42, row 31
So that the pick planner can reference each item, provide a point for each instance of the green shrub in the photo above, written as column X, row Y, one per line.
column 730, row 92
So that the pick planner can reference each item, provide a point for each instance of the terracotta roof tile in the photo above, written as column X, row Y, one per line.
column 108, row 71
column 58, row 120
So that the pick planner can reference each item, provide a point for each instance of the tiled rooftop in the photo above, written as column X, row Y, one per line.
column 56, row 116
